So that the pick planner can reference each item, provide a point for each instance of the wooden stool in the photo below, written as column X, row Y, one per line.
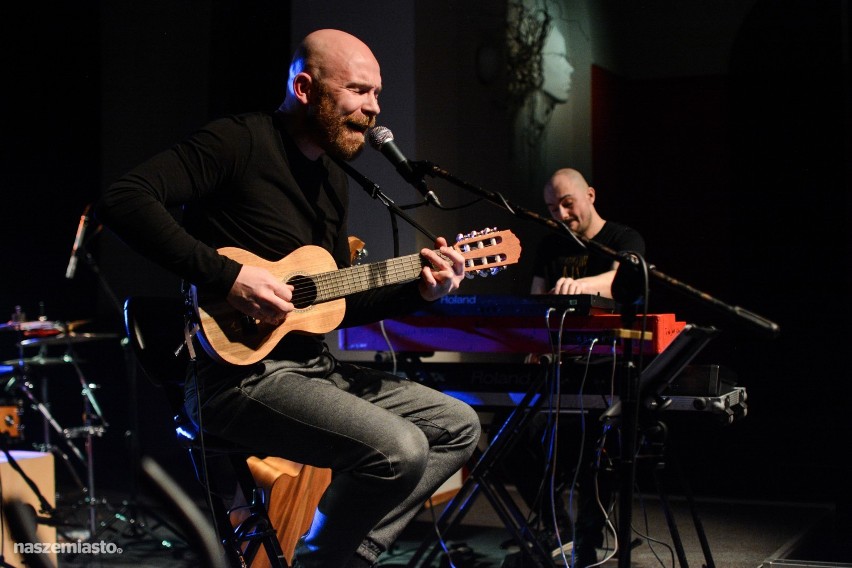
column 294, row 491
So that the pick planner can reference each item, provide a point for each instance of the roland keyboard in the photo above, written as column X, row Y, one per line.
column 514, row 324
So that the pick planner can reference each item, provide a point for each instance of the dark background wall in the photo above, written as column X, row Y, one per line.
column 741, row 185
column 738, row 176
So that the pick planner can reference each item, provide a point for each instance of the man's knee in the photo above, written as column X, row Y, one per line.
column 468, row 427
column 407, row 458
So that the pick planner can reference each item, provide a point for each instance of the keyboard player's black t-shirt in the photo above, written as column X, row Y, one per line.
column 559, row 255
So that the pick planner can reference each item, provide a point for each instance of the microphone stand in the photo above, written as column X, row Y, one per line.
column 632, row 273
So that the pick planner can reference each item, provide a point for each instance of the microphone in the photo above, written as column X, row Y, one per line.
column 381, row 138
column 78, row 242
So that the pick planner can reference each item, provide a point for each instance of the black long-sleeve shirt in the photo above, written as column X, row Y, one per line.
column 242, row 182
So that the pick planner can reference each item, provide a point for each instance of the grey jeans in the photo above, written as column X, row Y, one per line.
column 389, row 442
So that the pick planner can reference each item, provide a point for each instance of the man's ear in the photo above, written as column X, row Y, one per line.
column 302, row 84
column 591, row 194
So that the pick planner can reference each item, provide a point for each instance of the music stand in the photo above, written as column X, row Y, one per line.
column 665, row 367
column 660, row 372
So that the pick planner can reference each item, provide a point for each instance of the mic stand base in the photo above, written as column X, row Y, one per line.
column 130, row 516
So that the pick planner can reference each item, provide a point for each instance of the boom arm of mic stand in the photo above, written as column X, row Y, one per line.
column 375, row 192
column 741, row 315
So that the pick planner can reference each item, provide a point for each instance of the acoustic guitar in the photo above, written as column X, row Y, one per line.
column 320, row 291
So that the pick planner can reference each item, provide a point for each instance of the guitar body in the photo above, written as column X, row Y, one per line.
column 320, row 289
column 230, row 336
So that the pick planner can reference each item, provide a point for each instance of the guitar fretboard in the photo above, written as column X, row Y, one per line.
column 340, row 283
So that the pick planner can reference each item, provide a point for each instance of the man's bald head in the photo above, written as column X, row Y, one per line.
column 328, row 53
column 565, row 177
column 332, row 94
column 570, row 199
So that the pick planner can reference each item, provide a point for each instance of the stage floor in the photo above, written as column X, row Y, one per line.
column 740, row 534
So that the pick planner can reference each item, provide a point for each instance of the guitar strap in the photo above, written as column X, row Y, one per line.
column 190, row 323
column 189, row 332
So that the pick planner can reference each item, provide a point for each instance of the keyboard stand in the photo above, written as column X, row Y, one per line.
column 480, row 480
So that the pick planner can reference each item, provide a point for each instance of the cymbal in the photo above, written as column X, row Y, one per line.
column 37, row 361
column 37, row 326
column 66, row 338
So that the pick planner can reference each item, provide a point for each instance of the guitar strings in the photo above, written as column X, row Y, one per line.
column 333, row 285
column 336, row 284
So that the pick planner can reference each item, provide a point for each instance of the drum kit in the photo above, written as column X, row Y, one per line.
column 43, row 344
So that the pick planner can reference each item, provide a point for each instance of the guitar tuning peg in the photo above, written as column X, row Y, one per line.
column 472, row 234
column 493, row 271
column 360, row 256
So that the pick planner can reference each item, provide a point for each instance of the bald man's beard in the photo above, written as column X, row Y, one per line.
column 334, row 133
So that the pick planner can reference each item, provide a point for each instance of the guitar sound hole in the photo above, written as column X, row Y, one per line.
column 304, row 291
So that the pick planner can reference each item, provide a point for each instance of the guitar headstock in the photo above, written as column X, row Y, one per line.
column 488, row 251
